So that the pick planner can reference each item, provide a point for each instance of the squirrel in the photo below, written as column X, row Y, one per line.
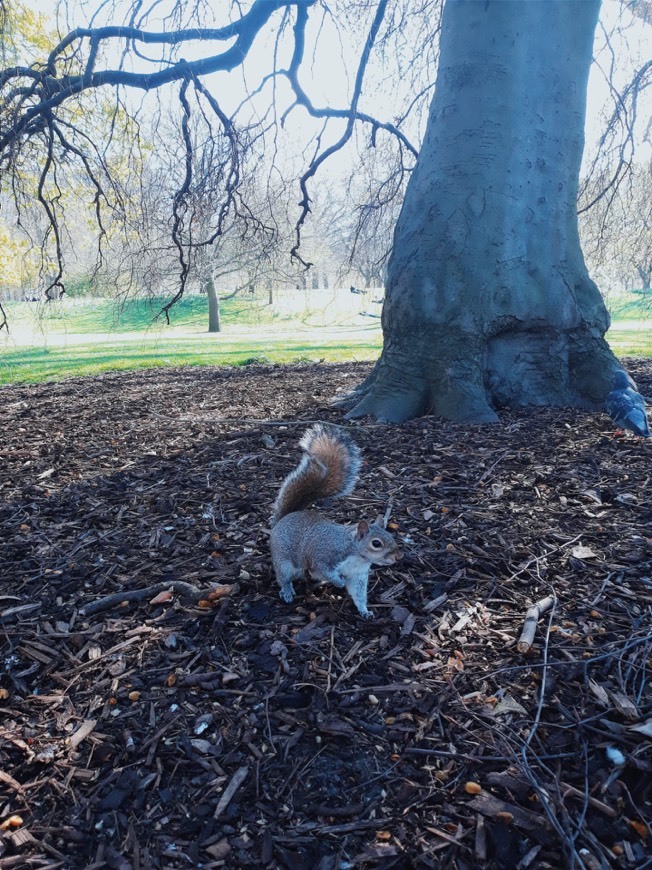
column 303, row 541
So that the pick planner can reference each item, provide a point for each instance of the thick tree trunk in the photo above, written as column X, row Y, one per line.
column 489, row 303
column 213, row 304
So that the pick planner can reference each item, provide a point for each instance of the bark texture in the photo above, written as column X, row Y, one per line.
column 489, row 303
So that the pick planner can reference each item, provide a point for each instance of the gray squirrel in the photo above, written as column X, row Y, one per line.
column 303, row 541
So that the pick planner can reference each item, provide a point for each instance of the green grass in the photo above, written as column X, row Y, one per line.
column 632, row 306
column 35, row 364
column 88, row 336
column 83, row 316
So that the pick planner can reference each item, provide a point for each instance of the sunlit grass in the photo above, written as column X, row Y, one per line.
column 92, row 336
column 34, row 364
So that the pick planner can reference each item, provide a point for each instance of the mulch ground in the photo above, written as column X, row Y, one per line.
column 160, row 706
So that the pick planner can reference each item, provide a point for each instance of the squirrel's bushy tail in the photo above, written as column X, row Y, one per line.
column 329, row 467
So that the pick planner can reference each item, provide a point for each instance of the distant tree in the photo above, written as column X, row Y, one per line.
column 617, row 232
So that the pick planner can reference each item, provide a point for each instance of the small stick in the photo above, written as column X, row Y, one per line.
column 186, row 590
column 598, row 805
column 532, row 617
column 388, row 512
column 238, row 778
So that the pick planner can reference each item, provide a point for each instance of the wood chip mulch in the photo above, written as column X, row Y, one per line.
column 160, row 706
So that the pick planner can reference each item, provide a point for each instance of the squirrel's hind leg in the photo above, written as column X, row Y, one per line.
column 286, row 572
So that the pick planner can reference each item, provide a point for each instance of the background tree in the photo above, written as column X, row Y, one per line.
column 617, row 233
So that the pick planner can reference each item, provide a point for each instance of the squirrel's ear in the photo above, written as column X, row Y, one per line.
column 380, row 521
column 363, row 528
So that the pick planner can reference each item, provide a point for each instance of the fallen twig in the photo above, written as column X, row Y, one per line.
column 595, row 803
column 187, row 591
column 532, row 617
column 238, row 778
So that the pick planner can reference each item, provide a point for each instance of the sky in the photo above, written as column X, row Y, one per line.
column 331, row 80
column 328, row 75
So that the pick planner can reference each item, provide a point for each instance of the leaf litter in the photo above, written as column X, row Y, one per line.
column 139, row 611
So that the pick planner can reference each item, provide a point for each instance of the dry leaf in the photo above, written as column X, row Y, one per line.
column 509, row 705
column 335, row 726
column 472, row 788
column 624, row 705
column 600, row 693
column 4, row 694
column 644, row 728
column 219, row 850
column 219, row 592
column 456, row 662
column 581, row 552
column 11, row 822
column 640, row 827
column 162, row 597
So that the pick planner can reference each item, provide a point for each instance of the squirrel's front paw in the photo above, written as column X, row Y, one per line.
column 338, row 581
column 287, row 594
column 367, row 614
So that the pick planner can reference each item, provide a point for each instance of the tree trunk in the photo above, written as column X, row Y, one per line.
column 489, row 303
column 213, row 304
column 645, row 275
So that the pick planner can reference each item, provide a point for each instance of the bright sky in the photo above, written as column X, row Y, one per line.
column 328, row 81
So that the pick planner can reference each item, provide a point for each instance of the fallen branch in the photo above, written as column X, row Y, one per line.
column 532, row 617
column 188, row 593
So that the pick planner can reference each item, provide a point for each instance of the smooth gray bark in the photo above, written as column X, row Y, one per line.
column 214, row 324
column 489, row 303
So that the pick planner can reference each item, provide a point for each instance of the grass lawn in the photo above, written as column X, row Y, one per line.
column 85, row 337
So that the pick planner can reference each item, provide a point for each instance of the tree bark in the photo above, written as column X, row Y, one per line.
column 489, row 303
column 214, row 324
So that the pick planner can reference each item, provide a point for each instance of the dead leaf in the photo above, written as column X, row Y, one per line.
column 624, row 705
column 644, row 728
column 219, row 850
column 335, row 726
column 508, row 705
column 582, row 552
column 162, row 597
column 640, row 827
column 455, row 662
column 11, row 822
column 600, row 693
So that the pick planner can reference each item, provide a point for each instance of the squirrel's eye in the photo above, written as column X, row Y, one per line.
column 376, row 544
